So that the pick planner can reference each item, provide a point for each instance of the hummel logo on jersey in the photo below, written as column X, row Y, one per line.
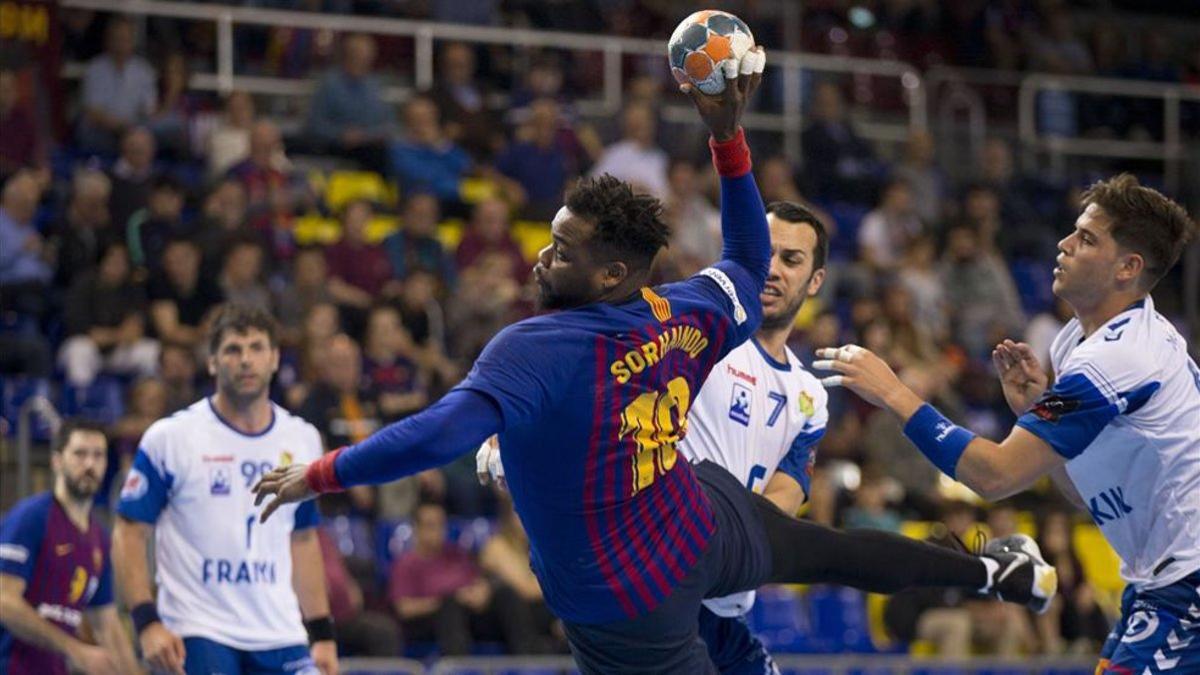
column 1114, row 500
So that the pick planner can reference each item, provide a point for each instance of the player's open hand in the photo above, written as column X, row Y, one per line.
column 1021, row 374
column 860, row 371
column 163, row 650
column 287, row 483
column 723, row 112
column 93, row 660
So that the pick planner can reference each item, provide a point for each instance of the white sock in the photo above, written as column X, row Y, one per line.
column 992, row 568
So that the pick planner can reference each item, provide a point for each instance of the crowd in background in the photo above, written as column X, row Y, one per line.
column 119, row 238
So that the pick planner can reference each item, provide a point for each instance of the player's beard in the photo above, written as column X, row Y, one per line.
column 82, row 488
column 786, row 317
column 241, row 396
column 549, row 298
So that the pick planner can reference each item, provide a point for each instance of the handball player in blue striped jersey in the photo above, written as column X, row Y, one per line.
column 590, row 401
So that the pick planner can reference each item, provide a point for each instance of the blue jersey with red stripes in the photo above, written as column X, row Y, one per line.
column 66, row 572
column 594, row 401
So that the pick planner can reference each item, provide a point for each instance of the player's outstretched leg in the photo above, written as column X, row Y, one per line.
column 1011, row 569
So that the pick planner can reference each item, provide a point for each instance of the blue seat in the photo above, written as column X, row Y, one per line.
column 838, row 619
column 102, row 401
column 14, row 392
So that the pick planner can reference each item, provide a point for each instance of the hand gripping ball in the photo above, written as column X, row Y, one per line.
column 705, row 46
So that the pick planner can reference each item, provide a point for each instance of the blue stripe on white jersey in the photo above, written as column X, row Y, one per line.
column 1125, row 411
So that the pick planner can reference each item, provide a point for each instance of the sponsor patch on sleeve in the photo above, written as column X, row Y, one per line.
column 723, row 280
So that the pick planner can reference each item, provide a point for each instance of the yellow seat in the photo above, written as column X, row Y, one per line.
column 381, row 227
column 314, row 229
column 1101, row 566
column 343, row 187
column 450, row 233
column 532, row 236
column 475, row 190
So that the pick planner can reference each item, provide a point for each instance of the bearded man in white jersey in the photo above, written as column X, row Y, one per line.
column 759, row 416
column 1119, row 430
column 234, row 595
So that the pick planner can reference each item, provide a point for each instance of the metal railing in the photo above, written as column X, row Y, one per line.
column 34, row 405
column 424, row 33
column 830, row 664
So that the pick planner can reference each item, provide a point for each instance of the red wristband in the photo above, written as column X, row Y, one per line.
column 731, row 157
column 320, row 475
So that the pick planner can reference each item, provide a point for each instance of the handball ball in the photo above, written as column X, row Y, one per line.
column 703, row 44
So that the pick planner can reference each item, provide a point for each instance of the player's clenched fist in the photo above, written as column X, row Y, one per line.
column 162, row 649
column 324, row 655
column 289, row 485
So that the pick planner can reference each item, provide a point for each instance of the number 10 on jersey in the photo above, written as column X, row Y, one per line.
column 656, row 420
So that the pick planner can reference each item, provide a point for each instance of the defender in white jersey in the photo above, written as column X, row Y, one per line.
column 234, row 594
column 1119, row 429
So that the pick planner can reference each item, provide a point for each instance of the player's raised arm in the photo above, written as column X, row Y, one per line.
column 747, row 241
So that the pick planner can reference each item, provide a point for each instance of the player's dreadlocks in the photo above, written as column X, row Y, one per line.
column 629, row 226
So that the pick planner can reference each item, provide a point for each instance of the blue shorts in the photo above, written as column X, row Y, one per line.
column 205, row 657
column 1158, row 632
column 734, row 650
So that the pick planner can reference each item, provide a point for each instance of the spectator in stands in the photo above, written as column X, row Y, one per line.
column 348, row 115
column 538, row 160
column 85, row 229
column 390, row 365
column 265, row 174
column 358, row 270
column 132, row 175
column 437, row 590
column 105, row 321
column 177, row 372
column 884, row 444
column 360, row 632
column 222, row 221
column 425, row 320
column 485, row 301
column 180, row 299
column 462, row 103
column 149, row 229
column 919, row 169
column 426, row 160
column 870, row 507
column 415, row 246
column 20, row 140
column 308, row 287
column 911, row 344
column 241, row 278
column 1002, row 520
column 1044, row 327
column 695, row 222
column 343, row 407
column 886, row 232
column 146, row 404
column 24, row 271
column 229, row 141
column 635, row 158
column 118, row 90
column 997, row 171
column 838, row 164
column 919, row 274
column 488, row 233
column 981, row 296
column 528, row 624
column 1074, row 623
column 171, row 121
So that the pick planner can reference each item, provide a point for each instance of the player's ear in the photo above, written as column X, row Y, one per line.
column 212, row 365
column 1129, row 267
column 614, row 273
column 815, row 282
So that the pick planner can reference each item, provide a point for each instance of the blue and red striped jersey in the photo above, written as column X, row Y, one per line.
column 66, row 572
column 594, row 401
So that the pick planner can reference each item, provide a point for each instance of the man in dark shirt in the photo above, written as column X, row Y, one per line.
column 104, row 317
column 179, row 298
